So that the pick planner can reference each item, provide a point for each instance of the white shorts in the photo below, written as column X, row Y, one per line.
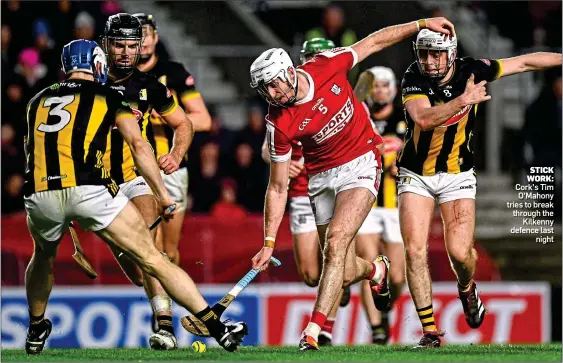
column 177, row 186
column 384, row 221
column 362, row 172
column 136, row 187
column 301, row 215
column 443, row 187
column 49, row 212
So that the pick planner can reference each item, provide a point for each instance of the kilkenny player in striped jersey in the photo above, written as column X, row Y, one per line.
column 441, row 94
column 66, row 181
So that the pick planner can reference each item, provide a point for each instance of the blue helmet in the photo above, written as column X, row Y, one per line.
column 85, row 56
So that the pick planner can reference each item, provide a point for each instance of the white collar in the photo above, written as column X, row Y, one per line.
column 311, row 93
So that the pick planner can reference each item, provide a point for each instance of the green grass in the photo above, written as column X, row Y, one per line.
column 366, row 353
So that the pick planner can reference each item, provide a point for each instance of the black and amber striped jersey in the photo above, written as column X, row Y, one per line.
column 144, row 93
column 68, row 126
column 393, row 125
column 447, row 148
column 182, row 84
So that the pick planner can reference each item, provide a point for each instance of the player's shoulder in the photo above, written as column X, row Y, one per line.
column 146, row 79
column 174, row 67
column 413, row 72
column 278, row 115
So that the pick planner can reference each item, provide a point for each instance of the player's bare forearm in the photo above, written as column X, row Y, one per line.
column 530, row 62
column 198, row 113
column 274, row 208
column 183, row 136
column 201, row 121
column 383, row 38
column 427, row 117
column 146, row 163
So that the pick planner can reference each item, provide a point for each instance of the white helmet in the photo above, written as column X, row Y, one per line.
column 385, row 74
column 273, row 63
column 429, row 40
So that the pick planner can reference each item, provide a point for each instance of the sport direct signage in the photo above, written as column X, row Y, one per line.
column 112, row 316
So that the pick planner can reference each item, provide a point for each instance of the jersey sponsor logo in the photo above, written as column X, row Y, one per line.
column 365, row 177
column 143, row 94
column 466, row 187
column 486, row 61
column 336, row 123
column 458, row 116
column 190, row 81
column 411, row 89
column 304, row 124
column 336, row 89
column 138, row 114
column 318, row 103
column 118, row 88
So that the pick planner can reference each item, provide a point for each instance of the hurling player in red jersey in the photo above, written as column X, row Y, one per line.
column 315, row 105
column 308, row 257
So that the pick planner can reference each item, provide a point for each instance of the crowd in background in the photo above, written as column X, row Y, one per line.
column 227, row 174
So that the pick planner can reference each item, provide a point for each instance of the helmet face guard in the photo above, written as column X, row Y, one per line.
column 122, row 41
column 123, row 52
column 262, row 87
column 434, row 69
column 148, row 25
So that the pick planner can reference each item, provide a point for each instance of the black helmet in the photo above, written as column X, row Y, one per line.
column 122, row 27
column 146, row 19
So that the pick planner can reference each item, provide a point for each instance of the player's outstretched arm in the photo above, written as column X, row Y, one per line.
column 144, row 158
column 183, row 136
column 274, row 208
column 428, row 117
column 529, row 62
column 390, row 35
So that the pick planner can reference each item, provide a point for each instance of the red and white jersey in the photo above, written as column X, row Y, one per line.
column 298, row 185
column 330, row 122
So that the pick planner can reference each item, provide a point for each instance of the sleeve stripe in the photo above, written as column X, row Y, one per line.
column 170, row 110
column 281, row 158
column 355, row 55
column 500, row 69
column 189, row 95
column 413, row 97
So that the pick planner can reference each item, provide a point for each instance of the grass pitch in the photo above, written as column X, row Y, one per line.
column 366, row 353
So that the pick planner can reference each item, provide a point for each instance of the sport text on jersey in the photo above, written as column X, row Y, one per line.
column 336, row 123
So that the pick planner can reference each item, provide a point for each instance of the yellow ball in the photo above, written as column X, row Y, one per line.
column 198, row 346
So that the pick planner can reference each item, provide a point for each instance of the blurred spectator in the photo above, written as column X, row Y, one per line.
column 251, row 176
column 13, row 167
column 227, row 208
column 7, row 61
column 30, row 67
column 205, row 181
column 254, row 133
column 15, row 99
column 334, row 28
column 46, row 47
column 84, row 26
column 62, row 21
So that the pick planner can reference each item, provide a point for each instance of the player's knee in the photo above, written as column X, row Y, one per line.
column 309, row 277
column 462, row 256
column 173, row 255
column 348, row 278
column 415, row 251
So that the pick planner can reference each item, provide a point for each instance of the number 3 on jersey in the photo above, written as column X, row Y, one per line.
column 59, row 111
